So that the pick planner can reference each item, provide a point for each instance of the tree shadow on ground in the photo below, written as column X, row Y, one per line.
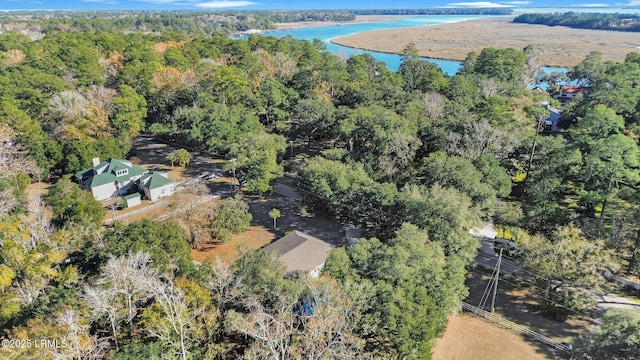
column 519, row 303
column 294, row 217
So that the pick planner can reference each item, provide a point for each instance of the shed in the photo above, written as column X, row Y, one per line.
column 132, row 200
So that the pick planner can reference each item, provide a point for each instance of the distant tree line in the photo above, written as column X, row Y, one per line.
column 594, row 21
column 440, row 11
column 193, row 23
column 311, row 15
column 196, row 23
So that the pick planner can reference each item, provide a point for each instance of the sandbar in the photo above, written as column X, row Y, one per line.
column 557, row 45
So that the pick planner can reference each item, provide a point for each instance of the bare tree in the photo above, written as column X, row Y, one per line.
column 128, row 276
column 121, row 286
column 13, row 161
column 433, row 106
column 272, row 329
column 189, row 208
column 186, row 201
column 78, row 343
column 178, row 316
column 488, row 88
column 313, row 322
column 532, row 70
column 76, row 117
column 328, row 331
column 30, row 286
column 399, row 154
column 70, row 104
column 224, row 283
column 285, row 66
column 104, row 303
column 38, row 220
column 480, row 138
column 101, row 97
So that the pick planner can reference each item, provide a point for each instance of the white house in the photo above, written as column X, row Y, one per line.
column 111, row 177
column 301, row 253
column 156, row 185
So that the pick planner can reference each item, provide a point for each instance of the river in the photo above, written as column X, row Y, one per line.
column 327, row 33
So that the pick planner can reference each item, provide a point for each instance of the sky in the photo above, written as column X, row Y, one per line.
column 292, row 4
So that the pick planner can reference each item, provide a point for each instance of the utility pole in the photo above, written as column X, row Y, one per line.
column 495, row 283
column 539, row 126
column 233, row 169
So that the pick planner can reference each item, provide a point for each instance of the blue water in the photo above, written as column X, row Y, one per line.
column 326, row 33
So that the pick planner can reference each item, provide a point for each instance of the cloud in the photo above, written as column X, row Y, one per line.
column 225, row 4
column 516, row 3
column 633, row 3
column 592, row 5
column 477, row 4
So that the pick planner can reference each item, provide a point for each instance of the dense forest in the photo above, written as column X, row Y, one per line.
column 594, row 21
column 414, row 157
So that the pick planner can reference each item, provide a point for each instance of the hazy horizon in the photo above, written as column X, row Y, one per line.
column 289, row 5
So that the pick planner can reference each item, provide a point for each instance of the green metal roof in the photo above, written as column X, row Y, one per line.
column 102, row 179
column 108, row 175
column 156, row 180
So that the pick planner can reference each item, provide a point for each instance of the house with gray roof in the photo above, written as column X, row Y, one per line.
column 301, row 253
column 156, row 185
column 109, row 178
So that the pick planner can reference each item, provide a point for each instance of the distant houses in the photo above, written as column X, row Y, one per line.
column 115, row 177
column 301, row 253
column 569, row 92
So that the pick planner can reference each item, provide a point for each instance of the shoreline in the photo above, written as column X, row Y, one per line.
column 360, row 19
column 557, row 46
column 392, row 53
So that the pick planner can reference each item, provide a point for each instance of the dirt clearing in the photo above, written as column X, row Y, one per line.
column 469, row 338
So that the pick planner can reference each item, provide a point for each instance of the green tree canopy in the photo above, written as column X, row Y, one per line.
column 410, row 286
column 72, row 205
column 616, row 339
column 229, row 216
column 257, row 162
column 162, row 240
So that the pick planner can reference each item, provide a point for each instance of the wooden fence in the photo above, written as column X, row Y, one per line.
column 513, row 327
column 142, row 209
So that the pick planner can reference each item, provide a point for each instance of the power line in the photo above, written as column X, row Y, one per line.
column 308, row 190
column 539, row 296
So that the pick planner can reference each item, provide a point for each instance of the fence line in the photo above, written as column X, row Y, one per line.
column 513, row 327
column 136, row 212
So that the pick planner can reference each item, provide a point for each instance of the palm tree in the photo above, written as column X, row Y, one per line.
column 274, row 214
